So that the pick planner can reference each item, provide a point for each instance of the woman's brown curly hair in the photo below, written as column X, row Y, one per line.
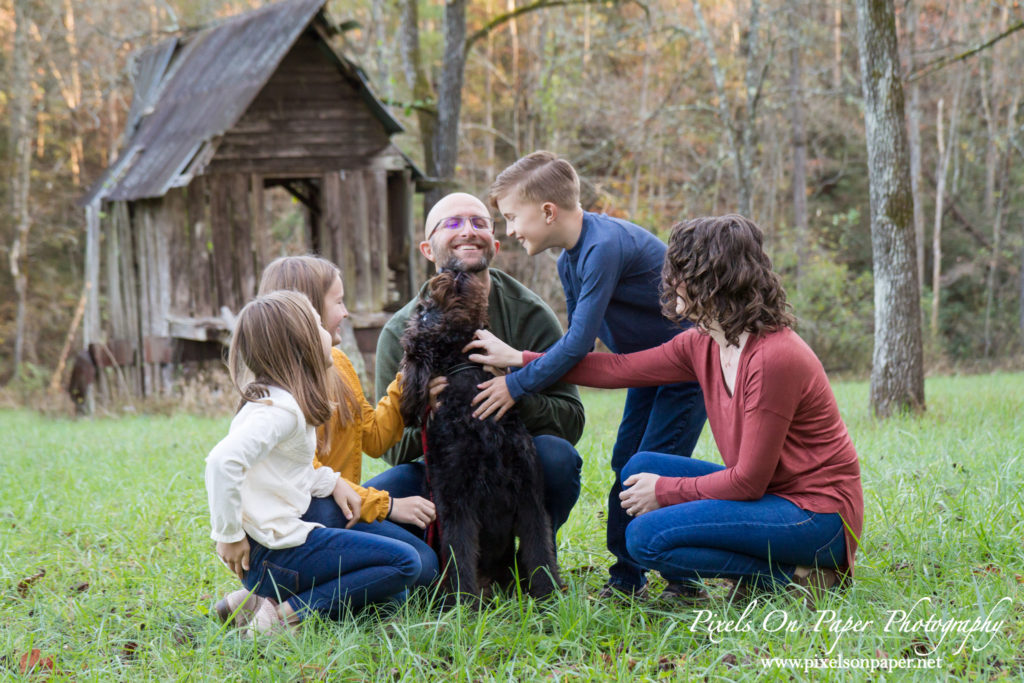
column 726, row 276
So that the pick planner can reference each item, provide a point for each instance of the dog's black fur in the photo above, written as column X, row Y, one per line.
column 485, row 476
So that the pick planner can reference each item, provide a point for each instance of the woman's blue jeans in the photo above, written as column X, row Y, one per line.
column 762, row 541
column 665, row 419
column 335, row 570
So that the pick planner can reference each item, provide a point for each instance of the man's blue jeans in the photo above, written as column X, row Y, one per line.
column 762, row 541
column 559, row 461
column 666, row 419
column 333, row 571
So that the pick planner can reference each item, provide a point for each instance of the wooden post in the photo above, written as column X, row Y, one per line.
column 91, row 328
column 260, row 236
column 142, row 223
column 400, row 233
column 177, row 232
column 331, row 244
column 122, row 221
column 241, row 237
column 356, row 238
column 377, row 228
column 202, row 290
column 220, row 227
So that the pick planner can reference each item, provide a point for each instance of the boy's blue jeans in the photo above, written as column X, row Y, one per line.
column 559, row 461
column 666, row 419
column 333, row 571
column 761, row 540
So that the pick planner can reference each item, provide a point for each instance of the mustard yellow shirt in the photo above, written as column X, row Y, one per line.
column 373, row 431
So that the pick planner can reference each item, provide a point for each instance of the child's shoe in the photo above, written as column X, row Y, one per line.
column 237, row 608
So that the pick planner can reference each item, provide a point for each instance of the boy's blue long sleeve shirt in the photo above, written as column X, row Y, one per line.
column 611, row 279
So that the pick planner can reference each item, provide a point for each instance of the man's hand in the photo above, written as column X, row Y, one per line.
column 235, row 556
column 493, row 396
column 348, row 500
column 412, row 510
column 639, row 497
column 496, row 353
column 435, row 387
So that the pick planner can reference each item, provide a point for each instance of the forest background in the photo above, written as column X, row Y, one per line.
column 668, row 108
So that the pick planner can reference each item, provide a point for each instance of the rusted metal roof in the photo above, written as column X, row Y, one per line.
column 190, row 90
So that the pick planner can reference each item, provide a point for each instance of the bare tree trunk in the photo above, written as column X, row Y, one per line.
column 517, row 88
column 946, row 148
column 914, row 138
column 741, row 133
column 997, row 223
column 837, row 48
column 897, row 373
column 417, row 80
column 642, row 132
column 799, row 139
column 449, row 98
column 753, row 80
column 490, row 171
column 21, row 144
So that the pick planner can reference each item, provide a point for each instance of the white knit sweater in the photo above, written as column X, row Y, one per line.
column 260, row 477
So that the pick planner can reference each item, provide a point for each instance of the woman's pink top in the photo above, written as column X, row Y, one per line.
column 779, row 432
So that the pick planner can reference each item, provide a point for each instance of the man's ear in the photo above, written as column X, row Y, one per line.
column 427, row 250
column 550, row 210
column 497, row 246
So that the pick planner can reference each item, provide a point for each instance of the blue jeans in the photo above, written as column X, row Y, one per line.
column 333, row 571
column 559, row 461
column 760, row 540
column 325, row 511
column 665, row 419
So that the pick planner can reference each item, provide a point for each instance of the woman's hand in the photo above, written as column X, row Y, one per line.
column 640, row 497
column 495, row 352
column 412, row 510
column 434, row 388
column 348, row 500
column 494, row 396
column 235, row 556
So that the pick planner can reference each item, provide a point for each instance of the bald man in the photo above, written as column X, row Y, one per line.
column 458, row 234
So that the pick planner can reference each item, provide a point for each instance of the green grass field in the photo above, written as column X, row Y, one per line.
column 114, row 511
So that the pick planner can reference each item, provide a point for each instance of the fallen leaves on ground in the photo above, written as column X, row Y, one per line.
column 27, row 582
column 32, row 662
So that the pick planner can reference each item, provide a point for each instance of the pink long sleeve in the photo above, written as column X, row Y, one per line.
column 663, row 364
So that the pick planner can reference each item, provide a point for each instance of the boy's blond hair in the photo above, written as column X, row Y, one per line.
column 539, row 177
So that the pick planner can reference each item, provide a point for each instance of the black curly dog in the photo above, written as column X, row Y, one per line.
column 485, row 476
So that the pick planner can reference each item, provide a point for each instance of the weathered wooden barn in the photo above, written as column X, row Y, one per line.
column 177, row 227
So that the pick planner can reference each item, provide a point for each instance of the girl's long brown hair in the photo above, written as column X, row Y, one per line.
column 727, row 277
column 313, row 276
column 277, row 342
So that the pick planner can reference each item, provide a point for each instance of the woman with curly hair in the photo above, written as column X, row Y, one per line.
column 787, row 506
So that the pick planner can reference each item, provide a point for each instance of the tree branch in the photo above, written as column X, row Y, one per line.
column 943, row 62
column 532, row 7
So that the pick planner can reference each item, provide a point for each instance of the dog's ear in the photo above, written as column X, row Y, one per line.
column 417, row 363
column 415, row 396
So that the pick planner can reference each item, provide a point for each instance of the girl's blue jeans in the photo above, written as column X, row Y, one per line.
column 762, row 541
column 334, row 571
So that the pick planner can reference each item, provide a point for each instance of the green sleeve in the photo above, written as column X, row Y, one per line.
column 558, row 409
column 389, row 356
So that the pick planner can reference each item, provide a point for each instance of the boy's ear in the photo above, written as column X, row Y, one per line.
column 550, row 210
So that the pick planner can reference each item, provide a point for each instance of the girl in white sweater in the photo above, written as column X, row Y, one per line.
column 260, row 480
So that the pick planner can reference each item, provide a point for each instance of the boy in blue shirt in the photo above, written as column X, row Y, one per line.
column 611, row 272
